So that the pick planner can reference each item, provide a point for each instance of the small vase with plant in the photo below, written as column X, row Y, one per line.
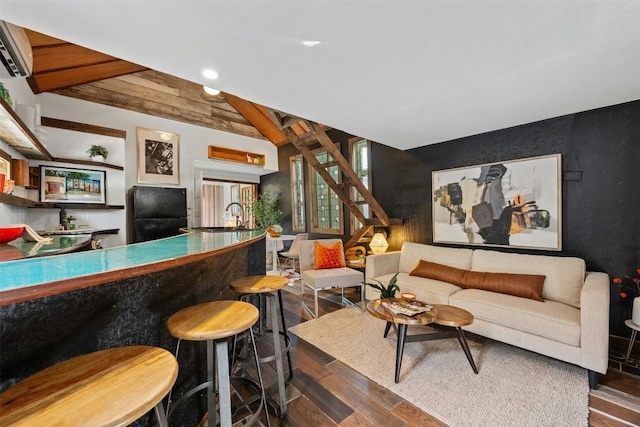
column 98, row 153
column 265, row 211
column 388, row 291
column 630, row 286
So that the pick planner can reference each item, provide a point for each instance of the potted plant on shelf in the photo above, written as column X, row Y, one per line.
column 98, row 153
column 266, row 213
column 629, row 285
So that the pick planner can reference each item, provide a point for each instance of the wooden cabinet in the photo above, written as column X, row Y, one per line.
column 223, row 153
column 20, row 171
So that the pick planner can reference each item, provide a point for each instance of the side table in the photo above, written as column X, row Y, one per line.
column 634, row 330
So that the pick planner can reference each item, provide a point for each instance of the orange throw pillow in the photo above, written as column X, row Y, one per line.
column 328, row 256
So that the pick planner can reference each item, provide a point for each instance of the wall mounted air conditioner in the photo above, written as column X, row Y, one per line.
column 15, row 51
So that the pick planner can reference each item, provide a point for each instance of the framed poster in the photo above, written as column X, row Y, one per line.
column 69, row 185
column 515, row 203
column 158, row 157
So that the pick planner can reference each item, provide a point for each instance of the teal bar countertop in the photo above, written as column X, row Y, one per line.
column 41, row 270
column 59, row 245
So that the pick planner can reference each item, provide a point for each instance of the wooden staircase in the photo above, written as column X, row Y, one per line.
column 348, row 187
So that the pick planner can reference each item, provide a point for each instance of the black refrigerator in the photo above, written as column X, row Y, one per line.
column 156, row 212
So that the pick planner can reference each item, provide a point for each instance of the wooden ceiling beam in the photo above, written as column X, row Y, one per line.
column 47, row 58
column 60, row 79
column 259, row 119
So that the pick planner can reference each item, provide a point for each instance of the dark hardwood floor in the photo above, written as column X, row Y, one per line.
column 326, row 392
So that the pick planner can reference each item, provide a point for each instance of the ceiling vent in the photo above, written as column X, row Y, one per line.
column 15, row 51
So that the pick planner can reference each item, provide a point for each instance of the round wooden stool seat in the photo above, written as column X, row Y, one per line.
column 212, row 320
column 109, row 387
column 259, row 284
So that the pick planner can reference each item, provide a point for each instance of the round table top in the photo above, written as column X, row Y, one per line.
column 109, row 387
column 441, row 314
column 377, row 309
column 629, row 323
column 259, row 284
column 449, row 315
column 212, row 320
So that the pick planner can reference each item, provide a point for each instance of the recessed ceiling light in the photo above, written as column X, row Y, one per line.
column 310, row 43
column 211, row 91
column 211, row 74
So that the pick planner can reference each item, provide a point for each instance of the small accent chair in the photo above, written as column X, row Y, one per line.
column 329, row 278
column 293, row 254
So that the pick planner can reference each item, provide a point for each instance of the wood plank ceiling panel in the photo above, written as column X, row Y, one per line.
column 161, row 101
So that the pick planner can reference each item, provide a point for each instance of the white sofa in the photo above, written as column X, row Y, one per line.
column 571, row 324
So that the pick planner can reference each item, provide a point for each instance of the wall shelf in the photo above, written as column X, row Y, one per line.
column 16, row 200
column 228, row 154
column 87, row 162
column 15, row 133
column 80, row 206
column 21, row 201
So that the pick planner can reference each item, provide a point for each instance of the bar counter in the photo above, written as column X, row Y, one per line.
column 58, row 307
column 32, row 278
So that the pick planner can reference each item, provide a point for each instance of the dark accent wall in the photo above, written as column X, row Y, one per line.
column 600, row 212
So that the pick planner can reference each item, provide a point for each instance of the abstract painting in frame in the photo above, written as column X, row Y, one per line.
column 70, row 185
column 158, row 157
column 515, row 203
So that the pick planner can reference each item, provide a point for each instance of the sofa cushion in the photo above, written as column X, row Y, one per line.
column 564, row 275
column 549, row 319
column 328, row 256
column 519, row 285
column 412, row 253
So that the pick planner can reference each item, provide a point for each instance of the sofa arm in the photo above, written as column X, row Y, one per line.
column 381, row 264
column 594, row 322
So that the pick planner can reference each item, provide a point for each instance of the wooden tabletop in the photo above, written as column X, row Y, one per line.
column 106, row 388
column 449, row 315
column 212, row 320
column 259, row 284
column 378, row 310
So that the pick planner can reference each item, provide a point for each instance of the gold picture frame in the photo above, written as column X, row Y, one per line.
column 158, row 156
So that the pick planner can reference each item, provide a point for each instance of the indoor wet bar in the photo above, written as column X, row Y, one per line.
column 58, row 307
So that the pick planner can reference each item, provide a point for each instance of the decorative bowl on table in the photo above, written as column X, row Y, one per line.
column 8, row 234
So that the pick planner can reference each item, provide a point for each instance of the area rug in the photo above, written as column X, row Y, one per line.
column 514, row 387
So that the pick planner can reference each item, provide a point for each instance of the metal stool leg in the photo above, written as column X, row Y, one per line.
column 275, row 331
column 633, row 339
column 287, row 339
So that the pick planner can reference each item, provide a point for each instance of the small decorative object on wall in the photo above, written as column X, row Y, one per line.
column 158, row 157
column 513, row 203
column 68, row 185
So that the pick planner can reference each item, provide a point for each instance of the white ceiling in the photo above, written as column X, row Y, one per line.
column 402, row 73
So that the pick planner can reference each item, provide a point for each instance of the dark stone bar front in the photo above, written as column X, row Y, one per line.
column 41, row 332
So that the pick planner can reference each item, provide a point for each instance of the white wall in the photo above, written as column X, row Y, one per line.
column 194, row 141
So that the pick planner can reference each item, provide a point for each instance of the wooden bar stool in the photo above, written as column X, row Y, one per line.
column 109, row 387
column 266, row 288
column 215, row 322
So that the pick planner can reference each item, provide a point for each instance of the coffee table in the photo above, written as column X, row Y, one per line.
column 449, row 320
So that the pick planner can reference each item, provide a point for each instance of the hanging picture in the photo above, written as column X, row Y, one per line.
column 69, row 185
column 514, row 203
column 158, row 157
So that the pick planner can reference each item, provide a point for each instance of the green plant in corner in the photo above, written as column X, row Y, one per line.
column 265, row 210
column 388, row 291
column 98, row 150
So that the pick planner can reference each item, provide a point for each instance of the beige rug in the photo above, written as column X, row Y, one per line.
column 514, row 387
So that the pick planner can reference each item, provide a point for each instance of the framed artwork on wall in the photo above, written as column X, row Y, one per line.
column 70, row 185
column 515, row 203
column 158, row 157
